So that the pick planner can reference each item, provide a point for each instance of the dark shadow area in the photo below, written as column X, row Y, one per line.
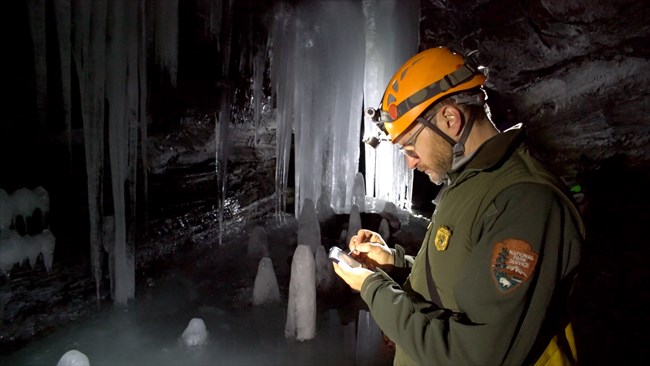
column 611, row 297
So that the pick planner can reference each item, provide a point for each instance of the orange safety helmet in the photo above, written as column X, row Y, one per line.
column 424, row 79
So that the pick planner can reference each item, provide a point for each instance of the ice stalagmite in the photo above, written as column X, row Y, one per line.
column 196, row 334
column 258, row 246
column 308, row 226
column 390, row 214
column 265, row 290
column 354, row 223
column 73, row 358
column 301, row 309
column 324, row 210
column 325, row 279
column 384, row 229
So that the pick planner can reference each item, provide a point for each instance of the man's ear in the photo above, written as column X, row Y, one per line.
column 453, row 120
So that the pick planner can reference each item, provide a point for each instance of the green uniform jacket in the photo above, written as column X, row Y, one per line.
column 502, row 248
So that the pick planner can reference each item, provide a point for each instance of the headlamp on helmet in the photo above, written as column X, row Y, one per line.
column 423, row 80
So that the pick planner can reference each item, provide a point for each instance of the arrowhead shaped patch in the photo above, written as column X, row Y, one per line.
column 513, row 262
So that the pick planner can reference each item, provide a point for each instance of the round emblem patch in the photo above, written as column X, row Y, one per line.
column 513, row 262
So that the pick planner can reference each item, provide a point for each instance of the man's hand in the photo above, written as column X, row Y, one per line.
column 370, row 249
column 354, row 277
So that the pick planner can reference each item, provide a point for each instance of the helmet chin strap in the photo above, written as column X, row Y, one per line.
column 458, row 147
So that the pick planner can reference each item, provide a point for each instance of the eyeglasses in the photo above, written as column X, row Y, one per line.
column 410, row 142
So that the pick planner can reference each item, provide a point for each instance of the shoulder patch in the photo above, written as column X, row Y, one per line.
column 513, row 262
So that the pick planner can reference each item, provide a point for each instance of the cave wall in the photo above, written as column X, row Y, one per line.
column 575, row 72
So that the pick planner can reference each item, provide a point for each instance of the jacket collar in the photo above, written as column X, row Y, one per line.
column 490, row 153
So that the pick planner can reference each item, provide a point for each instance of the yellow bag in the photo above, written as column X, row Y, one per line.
column 561, row 351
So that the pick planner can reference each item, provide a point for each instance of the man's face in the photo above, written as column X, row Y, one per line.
column 427, row 152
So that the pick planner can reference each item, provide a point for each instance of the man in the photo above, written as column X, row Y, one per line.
column 490, row 281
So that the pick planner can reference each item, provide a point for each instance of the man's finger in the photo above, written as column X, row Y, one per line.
column 362, row 247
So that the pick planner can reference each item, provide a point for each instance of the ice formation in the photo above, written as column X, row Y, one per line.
column 73, row 358
column 308, row 226
column 369, row 339
column 359, row 192
column 258, row 246
column 325, row 276
column 324, row 210
column 384, row 229
column 28, row 239
column 265, row 290
column 354, row 223
column 15, row 249
column 301, row 309
column 32, row 205
column 196, row 334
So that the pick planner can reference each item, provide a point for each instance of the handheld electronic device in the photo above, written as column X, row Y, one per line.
column 337, row 255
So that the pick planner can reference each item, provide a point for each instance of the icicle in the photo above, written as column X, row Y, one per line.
column 37, row 25
column 221, row 158
column 283, row 79
column 142, row 105
column 166, row 37
column 63, row 14
column 226, row 41
column 258, row 93
column 89, row 52
column 118, row 126
column 211, row 10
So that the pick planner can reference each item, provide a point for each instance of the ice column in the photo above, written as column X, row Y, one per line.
column 265, row 290
column 301, row 309
column 391, row 29
column 309, row 227
column 319, row 43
